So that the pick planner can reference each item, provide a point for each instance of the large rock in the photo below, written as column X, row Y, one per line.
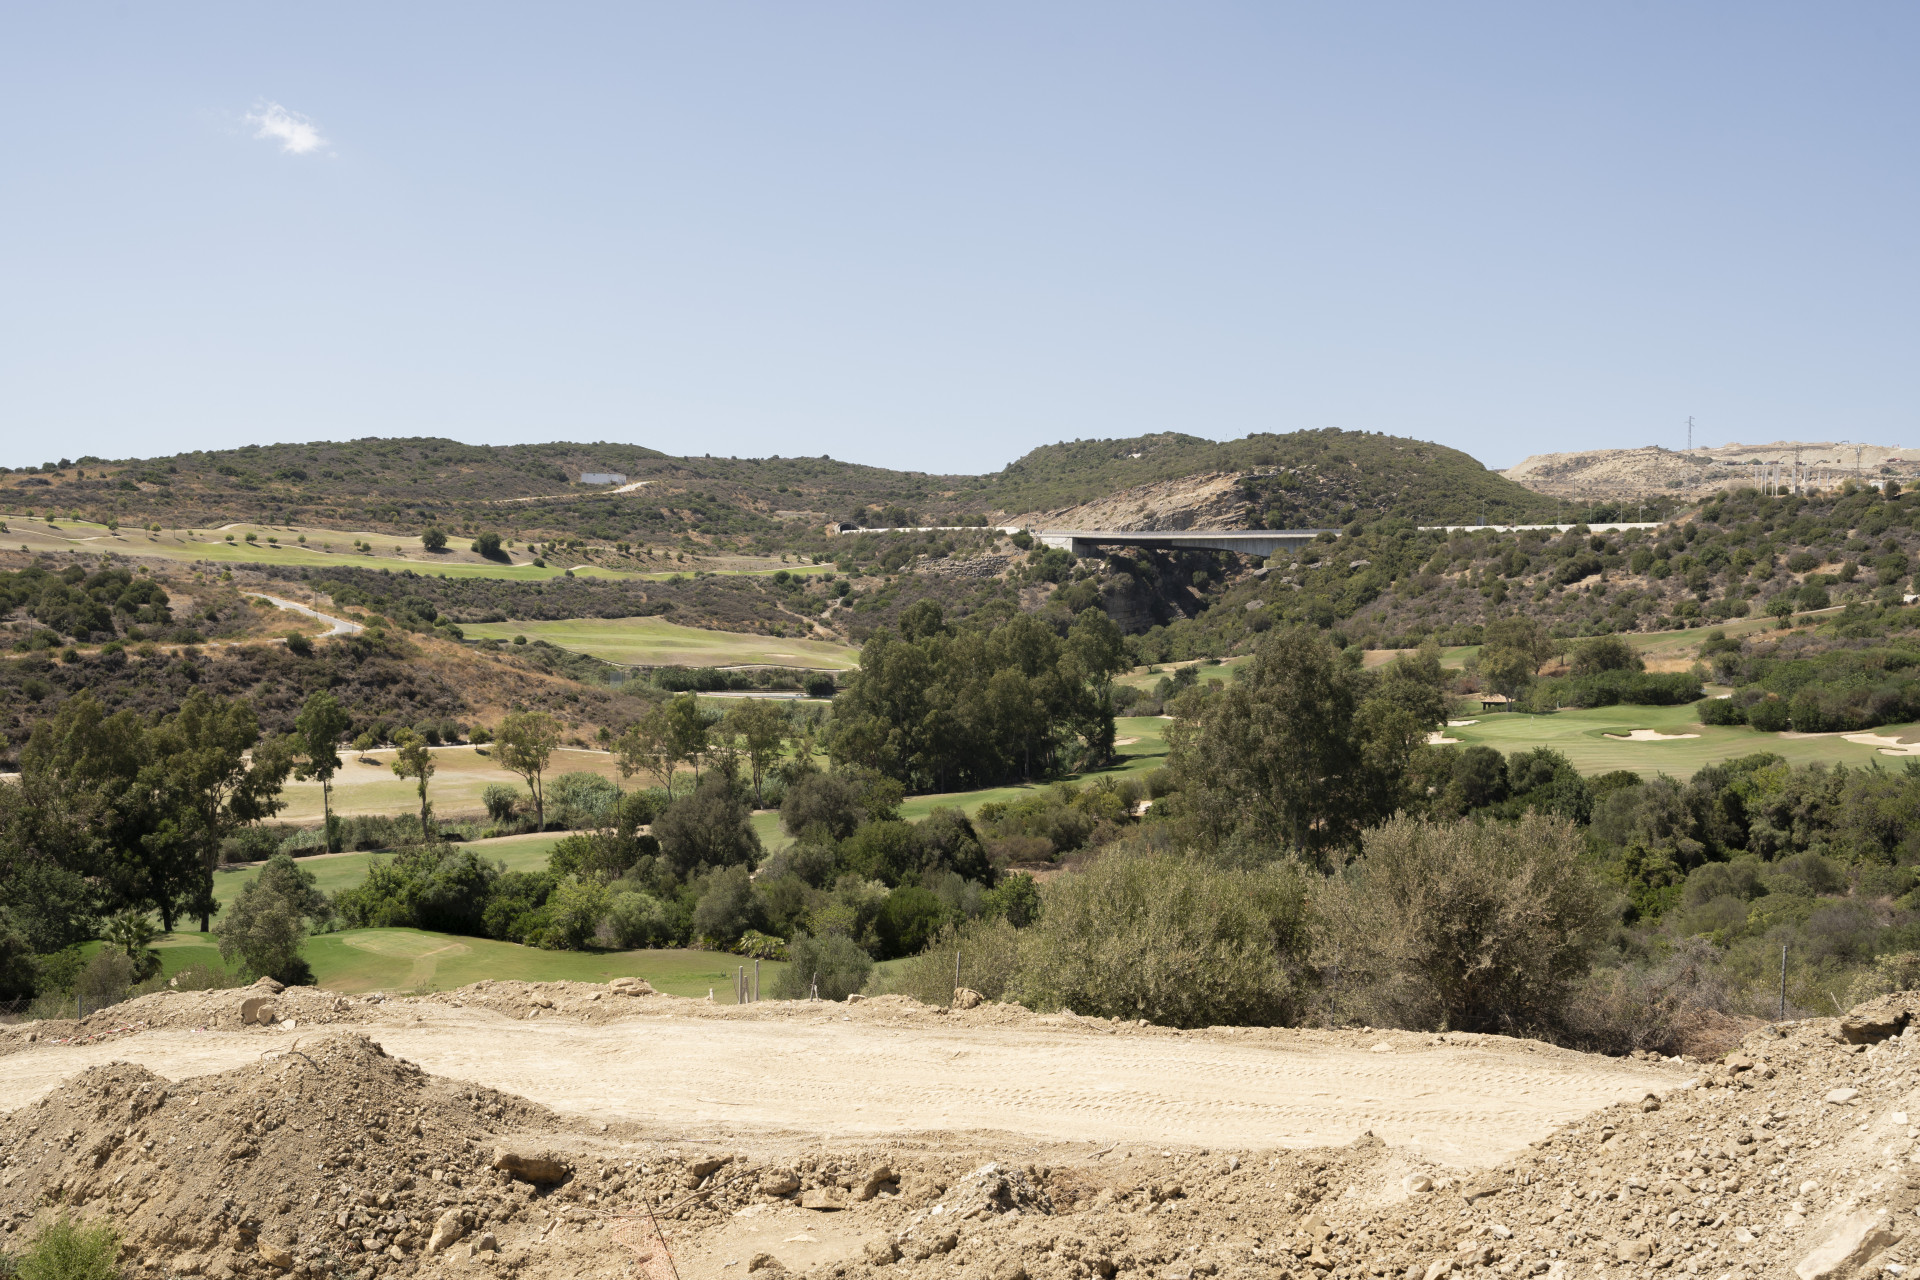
column 257, row 1011
column 779, row 1182
column 1852, row 1243
column 878, row 1179
column 823, row 1198
column 446, row 1231
column 880, row 1250
column 529, row 1167
column 630, row 987
column 1871, row 1028
column 966, row 998
column 276, row 1257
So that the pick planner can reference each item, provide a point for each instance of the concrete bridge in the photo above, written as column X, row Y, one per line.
column 1252, row 542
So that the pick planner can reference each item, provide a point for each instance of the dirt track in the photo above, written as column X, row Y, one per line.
column 816, row 1069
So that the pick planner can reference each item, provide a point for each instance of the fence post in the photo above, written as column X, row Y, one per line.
column 756, row 980
column 1783, row 982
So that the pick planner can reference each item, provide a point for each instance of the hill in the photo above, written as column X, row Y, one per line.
column 1696, row 473
column 536, row 494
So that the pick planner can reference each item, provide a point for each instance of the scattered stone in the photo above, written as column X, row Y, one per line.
column 966, row 998
column 879, row 1251
column 855, row 997
column 257, row 1011
column 825, row 1199
column 1840, row 1097
column 276, row 1257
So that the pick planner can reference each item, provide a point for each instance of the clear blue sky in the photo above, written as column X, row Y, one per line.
column 934, row 236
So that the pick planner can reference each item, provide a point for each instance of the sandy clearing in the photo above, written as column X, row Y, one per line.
column 819, row 1072
column 1439, row 739
column 1649, row 735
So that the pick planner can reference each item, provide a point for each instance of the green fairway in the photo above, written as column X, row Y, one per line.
column 654, row 642
column 333, row 872
column 416, row 960
column 1582, row 736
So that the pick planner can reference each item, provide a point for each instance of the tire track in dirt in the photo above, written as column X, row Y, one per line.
column 1458, row 1104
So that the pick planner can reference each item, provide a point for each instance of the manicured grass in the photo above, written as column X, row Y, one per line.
column 1581, row 737
column 417, row 960
column 461, row 775
column 654, row 642
column 333, row 872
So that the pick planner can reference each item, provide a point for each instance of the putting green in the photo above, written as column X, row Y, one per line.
column 1595, row 740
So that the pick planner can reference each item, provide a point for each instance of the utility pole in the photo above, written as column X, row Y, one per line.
column 1689, row 433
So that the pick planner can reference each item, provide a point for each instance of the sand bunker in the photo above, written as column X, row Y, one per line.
column 1460, row 724
column 1889, row 746
column 1438, row 739
column 1649, row 735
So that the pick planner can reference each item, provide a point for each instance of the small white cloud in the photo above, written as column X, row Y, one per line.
column 296, row 134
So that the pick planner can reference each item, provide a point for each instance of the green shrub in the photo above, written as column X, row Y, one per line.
column 580, row 800
column 501, row 800
column 67, row 1250
column 635, row 920
column 1169, row 938
column 989, row 954
column 1458, row 926
column 1721, row 711
column 840, row 967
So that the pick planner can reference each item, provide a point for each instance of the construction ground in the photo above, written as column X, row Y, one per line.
column 572, row 1129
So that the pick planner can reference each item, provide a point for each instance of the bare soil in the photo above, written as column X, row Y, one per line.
column 885, row 1137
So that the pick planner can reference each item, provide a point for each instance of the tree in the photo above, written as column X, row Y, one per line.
column 266, row 924
column 687, row 728
column 709, row 828
column 488, row 545
column 1605, row 653
column 207, row 784
column 1514, row 649
column 647, row 746
column 132, row 932
column 434, row 540
column 1781, row 607
column 1300, row 754
column 86, row 828
column 318, row 727
column 524, row 745
column 414, row 759
column 761, row 729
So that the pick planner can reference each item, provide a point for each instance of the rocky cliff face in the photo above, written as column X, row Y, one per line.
column 1209, row 501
